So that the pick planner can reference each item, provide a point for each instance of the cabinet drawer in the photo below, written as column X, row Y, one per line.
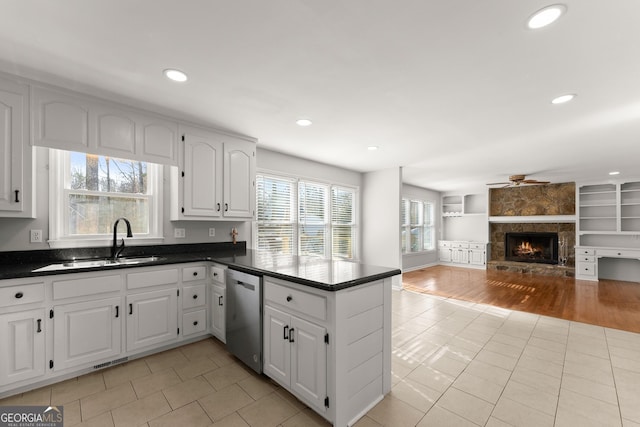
column 194, row 322
column 585, row 251
column 618, row 253
column 586, row 269
column 190, row 274
column 586, row 258
column 303, row 302
column 144, row 279
column 194, row 296
column 86, row 286
column 460, row 245
column 21, row 294
column 444, row 244
column 480, row 246
column 217, row 274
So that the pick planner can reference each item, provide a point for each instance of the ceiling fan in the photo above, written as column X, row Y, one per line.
column 515, row 180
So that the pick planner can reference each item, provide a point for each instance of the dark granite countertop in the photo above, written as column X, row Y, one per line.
column 326, row 274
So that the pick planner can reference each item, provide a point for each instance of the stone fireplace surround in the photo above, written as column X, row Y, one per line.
column 510, row 210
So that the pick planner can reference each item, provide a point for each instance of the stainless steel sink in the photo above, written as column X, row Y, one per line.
column 98, row 263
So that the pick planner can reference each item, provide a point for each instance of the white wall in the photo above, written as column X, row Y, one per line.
column 429, row 258
column 381, row 196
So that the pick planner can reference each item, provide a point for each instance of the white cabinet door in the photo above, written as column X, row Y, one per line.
column 460, row 256
column 22, row 346
column 16, row 181
column 476, row 257
column 152, row 318
column 156, row 139
column 277, row 351
column 308, row 361
column 239, row 179
column 218, row 312
column 86, row 332
column 202, row 179
column 444, row 254
column 113, row 131
column 60, row 120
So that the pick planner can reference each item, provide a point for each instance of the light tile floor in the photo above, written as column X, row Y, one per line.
column 454, row 364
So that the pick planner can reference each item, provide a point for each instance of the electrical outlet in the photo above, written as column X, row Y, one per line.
column 179, row 233
column 36, row 236
column 212, row 232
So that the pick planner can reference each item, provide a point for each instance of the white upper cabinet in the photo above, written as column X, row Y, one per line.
column 16, row 156
column 216, row 177
column 75, row 122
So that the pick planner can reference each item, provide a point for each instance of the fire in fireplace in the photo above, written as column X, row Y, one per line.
column 531, row 247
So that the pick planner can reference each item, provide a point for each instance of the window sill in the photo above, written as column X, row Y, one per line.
column 90, row 243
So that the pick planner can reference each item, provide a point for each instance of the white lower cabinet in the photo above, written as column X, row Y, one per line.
column 22, row 346
column 295, row 355
column 152, row 318
column 86, row 332
column 218, row 297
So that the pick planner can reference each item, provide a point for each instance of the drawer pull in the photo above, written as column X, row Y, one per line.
column 289, row 298
column 195, row 323
column 19, row 295
column 285, row 333
column 39, row 326
column 130, row 308
column 195, row 296
column 619, row 253
column 195, row 273
column 220, row 300
column 215, row 274
column 117, row 311
column 291, row 335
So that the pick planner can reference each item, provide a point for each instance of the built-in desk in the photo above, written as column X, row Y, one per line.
column 593, row 263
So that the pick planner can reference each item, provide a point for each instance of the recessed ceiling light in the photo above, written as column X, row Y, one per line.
column 304, row 122
column 546, row 16
column 372, row 147
column 563, row 98
column 614, row 173
column 175, row 75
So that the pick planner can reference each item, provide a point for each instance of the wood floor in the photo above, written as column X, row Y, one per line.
column 609, row 303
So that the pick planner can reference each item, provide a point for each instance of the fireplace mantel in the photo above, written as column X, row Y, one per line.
column 533, row 219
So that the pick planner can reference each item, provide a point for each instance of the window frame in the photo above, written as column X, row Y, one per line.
column 59, row 165
column 328, row 223
column 421, row 225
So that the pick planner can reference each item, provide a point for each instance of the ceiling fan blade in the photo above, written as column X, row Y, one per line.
column 534, row 181
column 499, row 183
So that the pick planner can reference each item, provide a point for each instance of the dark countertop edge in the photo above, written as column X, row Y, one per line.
column 201, row 255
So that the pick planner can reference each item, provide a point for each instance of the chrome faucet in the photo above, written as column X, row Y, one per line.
column 117, row 249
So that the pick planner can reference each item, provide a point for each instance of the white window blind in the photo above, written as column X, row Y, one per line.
column 343, row 224
column 417, row 226
column 313, row 206
column 276, row 215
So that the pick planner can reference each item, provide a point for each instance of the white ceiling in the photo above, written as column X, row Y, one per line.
column 457, row 92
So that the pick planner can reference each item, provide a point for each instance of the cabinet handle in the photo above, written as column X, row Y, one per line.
column 130, row 308
column 195, row 273
column 17, row 198
column 195, row 297
column 19, row 295
column 215, row 274
column 289, row 298
column 117, row 311
column 619, row 253
column 220, row 300
column 226, row 207
column 39, row 326
column 218, row 207
column 291, row 335
column 195, row 323
column 285, row 335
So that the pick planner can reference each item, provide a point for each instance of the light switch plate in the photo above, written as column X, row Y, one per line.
column 179, row 233
column 212, row 232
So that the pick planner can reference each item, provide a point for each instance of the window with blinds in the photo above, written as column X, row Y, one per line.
column 301, row 217
column 417, row 228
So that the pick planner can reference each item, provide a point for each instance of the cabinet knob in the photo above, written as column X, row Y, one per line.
column 19, row 295
column 195, row 323
column 195, row 297
column 289, row 298
column 195, row 273
column 215, row 274
column 619, row 253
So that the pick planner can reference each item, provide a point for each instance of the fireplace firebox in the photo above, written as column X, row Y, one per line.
column 531, row 247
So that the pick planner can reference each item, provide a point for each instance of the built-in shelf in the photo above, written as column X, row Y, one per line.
column 533, row 218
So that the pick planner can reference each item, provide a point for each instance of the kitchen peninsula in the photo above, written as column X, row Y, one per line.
column 327, row 323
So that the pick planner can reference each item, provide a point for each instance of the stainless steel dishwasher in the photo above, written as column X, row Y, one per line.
column 244, row 318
